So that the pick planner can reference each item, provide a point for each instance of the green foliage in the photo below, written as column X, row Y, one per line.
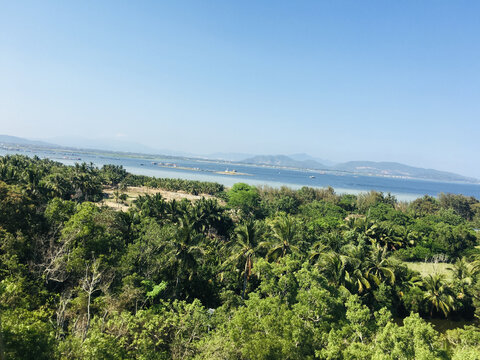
column 461, row 205
column 348, row 202
column 156, row 289
column 414, row 340
column 113, row 174
column 365, row 201
column 273, row 274
column 58, row 211
column 426, row 205
column 28, row 334
column 278, row 279
column 15, row 207
column 464, row 343
column 317, row 209
column 244, row 197
column 455, row 239
column 190, row 186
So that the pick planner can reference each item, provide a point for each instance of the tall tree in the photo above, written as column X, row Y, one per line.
column 249, row 240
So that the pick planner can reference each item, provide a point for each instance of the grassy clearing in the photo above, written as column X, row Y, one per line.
column 426, row 269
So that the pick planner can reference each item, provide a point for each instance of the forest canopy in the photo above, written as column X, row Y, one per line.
column 241, row 273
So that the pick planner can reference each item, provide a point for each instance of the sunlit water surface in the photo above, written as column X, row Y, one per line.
column 403, row 189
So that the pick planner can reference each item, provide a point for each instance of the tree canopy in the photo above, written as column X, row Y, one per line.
column 248, row 273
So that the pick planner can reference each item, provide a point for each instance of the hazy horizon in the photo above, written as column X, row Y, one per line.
column 137, row 148
column 342, row 81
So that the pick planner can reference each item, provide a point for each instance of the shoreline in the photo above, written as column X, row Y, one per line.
column 346, row 184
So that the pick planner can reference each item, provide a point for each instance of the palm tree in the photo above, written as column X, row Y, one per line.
column 464, row 274
column 184, row 251
column 378, row 267
column 384, row 234
column 85, row 180
column 8, row 173
column 284, row 231
column 357, row 223
column 357, row 280
column 410, row 237
column 207, row 214
column 344, row 271
column 354, row 259
column 437, row 294
column 57, row 185
column 32, row 178
column 333, row 239
column 317, row 252
column 177, row 209
column 249, row 242
column 333, row 267
column 152, row 205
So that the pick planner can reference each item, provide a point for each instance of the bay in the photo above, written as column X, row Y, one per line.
column 204, row 170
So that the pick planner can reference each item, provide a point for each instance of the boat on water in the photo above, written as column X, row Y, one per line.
column 312, row 177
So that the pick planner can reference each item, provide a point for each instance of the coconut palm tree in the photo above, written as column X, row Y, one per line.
column 184, row 251
column 32, row 178
column 343, row 271
column 177, row 209
column 377, row 266
column 57, row 185
column 464, row 275
column 207, row 214
column 317, row 252
column 357, row 280
column 384, row 234
column 333, row 267
column 284, row 230
column 438, row 294
column 355, row 259
column 249, row 238
column 152, row 205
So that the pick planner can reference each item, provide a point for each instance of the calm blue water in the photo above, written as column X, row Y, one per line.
column 403, row 189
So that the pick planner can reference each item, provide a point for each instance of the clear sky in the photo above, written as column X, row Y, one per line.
column 342, row 80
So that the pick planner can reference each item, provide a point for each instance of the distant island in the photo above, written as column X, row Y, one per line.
column 296, row 161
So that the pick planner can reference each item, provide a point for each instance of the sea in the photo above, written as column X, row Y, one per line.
column 209, row 170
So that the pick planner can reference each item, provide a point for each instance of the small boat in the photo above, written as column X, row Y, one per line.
column 312, row 177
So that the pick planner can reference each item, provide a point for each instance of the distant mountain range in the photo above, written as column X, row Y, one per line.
column 113, row 144
column 306, row 157
column 13, row 140
column 283, row 160
column 388, row 169
column 105, row 144
column 242, row 157
column 227, row 156
column 298, row 161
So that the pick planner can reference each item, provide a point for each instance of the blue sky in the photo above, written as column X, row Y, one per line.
column 342, row 80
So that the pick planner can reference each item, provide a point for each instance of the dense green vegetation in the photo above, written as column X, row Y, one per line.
column 260, row 273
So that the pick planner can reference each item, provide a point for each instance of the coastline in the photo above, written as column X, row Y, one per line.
column 403, row 189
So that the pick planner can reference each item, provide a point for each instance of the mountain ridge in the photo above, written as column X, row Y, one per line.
column 382, row 168
column 15, row 140
column 299, row 161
